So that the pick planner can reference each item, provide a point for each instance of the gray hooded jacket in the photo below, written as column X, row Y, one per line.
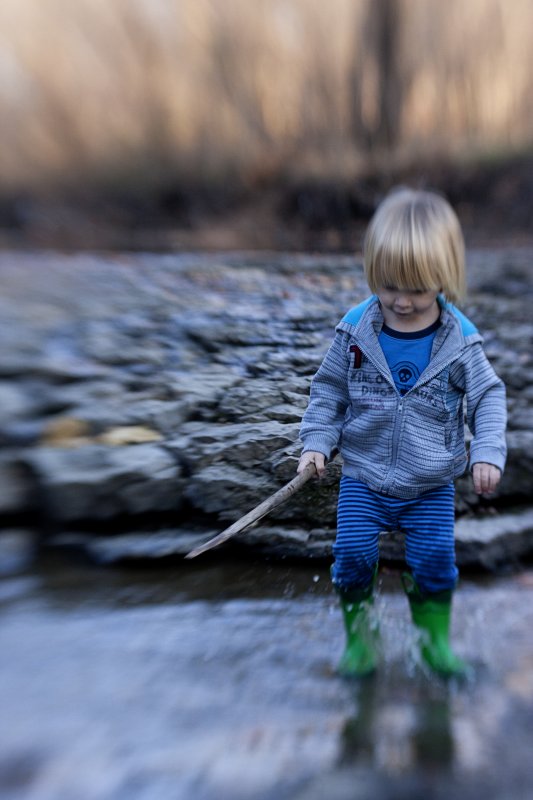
column 405, row 445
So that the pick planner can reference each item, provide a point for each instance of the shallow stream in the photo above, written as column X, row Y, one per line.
column 212, row 681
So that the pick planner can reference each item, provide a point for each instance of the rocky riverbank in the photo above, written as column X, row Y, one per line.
column 146, row 401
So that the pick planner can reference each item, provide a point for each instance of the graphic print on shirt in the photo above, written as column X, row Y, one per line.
column 405, row 374
column 407, row 354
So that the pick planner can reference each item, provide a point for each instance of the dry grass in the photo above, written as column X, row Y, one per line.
column 130, row 92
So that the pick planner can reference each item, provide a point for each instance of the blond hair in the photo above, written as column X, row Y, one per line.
column 414, row 242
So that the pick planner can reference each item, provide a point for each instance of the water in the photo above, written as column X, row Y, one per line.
column 217, row 681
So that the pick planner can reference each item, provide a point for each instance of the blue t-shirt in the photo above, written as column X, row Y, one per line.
column 407, row 354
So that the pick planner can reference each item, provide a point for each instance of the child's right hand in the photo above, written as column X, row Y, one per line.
column 312, row 457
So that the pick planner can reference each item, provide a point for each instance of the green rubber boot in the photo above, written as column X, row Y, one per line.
column 431, row 615
column 361, row 652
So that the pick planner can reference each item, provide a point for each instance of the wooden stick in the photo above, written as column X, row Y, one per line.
column 258, row 512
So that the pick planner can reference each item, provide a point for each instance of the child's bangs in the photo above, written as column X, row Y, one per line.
column 414, row 242
column 406, row 269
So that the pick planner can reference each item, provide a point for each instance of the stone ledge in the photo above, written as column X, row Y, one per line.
column 480, row 543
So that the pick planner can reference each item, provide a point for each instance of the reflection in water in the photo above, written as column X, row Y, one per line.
column 359, row 732
column 394, row 734
column 434, row 744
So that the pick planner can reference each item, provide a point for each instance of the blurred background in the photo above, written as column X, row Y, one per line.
column 263, row 123
column 184, row 185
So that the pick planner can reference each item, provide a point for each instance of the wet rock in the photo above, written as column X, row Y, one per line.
column 98, row 482
column 133, row 547
column 486, row 543
column 226, row 490
column 17, row 551
column 17, row 487
column 492, row 541
column 203, row 386
column 248, row 444
column 21, row 434
column 65, row 432
column 212, row 356
column 517, row 479
column 281, row 541
column 245, row 403
column 105, row 343
column 129, row 434
column 15, row 402
column 166, row 416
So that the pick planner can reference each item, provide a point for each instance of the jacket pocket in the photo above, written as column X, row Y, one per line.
column 427, row 442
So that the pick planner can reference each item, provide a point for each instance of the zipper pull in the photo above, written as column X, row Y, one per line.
column 357, row 356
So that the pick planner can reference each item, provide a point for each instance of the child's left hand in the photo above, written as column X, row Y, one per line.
column 486, row 477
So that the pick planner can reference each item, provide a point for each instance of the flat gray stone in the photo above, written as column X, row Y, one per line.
column 99, row 482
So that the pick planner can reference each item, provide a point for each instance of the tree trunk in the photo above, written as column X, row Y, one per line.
column 377, row 78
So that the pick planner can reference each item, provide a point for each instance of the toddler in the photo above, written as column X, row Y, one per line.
column 389, row 394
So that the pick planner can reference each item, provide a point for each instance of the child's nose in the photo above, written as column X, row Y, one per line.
column 403, row 300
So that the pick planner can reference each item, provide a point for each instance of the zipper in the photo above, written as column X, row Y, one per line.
column 395, row 443
column 400, row 408
column 398, row 421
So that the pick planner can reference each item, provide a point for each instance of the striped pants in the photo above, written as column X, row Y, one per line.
column 428, row 524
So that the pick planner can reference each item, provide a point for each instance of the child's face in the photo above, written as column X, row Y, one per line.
column 406, row 306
